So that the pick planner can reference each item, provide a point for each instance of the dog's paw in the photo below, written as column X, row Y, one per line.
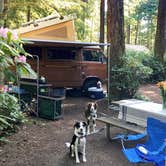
column 67, row 144
column 84, row 160
column 77, row 161
column 72, row 155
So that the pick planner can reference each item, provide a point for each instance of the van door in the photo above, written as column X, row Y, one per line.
column 93, row 64
column 62, row 67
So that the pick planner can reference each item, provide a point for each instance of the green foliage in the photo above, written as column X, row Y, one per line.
column 85, row 14
column 146, row 10
column 12, row 54
column 4, row 122
column 158, row 69
column 9, row 108
column 10, row 115
column 140, row 21
column 28, row 10
column 126, row 80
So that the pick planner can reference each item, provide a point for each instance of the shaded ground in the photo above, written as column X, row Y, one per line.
column 152, row 92
column 42, row 142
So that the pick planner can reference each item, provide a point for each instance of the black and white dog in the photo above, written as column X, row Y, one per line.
column 78, row 143
column 91, row 116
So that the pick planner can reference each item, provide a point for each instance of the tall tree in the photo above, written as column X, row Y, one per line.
column 145, row 16
column 3, row 14
column 160, row 39
column 115, row 31
column 115, row 36
column 102, row 20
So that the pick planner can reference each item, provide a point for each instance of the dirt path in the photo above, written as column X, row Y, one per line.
column 152, row 92
column 42, row 142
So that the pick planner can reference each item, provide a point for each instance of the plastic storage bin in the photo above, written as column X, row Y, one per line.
column 50, row 107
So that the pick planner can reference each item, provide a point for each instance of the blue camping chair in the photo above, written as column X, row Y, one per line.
column 154, row 150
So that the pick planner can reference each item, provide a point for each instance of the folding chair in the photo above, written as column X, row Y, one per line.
column 154, row 149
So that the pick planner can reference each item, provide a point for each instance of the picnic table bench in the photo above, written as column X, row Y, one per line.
column 111, row 121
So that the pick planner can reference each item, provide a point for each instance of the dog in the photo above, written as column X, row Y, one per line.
column 91, row 116
column 78, row 143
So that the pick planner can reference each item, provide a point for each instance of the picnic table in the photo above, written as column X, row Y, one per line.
column 132, row 115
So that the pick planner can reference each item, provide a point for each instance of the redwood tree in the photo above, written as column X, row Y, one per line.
column 115, row 36
column 115, row 31
column 160, row 39
column 102, row 20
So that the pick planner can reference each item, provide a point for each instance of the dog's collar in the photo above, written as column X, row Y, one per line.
column 80, row 136
column 92, row 113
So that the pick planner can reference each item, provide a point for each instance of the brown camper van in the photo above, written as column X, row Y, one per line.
column 68, row 64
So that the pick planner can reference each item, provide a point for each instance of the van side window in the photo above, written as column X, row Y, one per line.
column 89, row 55
column 34, row 51
column 61, row 53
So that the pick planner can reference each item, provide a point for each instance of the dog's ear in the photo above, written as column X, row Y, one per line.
column 89, row 106
column 84, row 124
column 95, row 106
column 77, row 124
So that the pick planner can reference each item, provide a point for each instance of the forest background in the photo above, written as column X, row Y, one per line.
column 139, row 17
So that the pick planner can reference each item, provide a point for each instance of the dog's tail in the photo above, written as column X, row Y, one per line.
column 67, row 144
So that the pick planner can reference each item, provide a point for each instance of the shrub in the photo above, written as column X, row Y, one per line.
column 125, row 80
column 10, row 113
column 158, row 69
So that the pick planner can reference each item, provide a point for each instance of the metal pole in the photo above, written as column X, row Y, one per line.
column 37, row 82
column 108, row 74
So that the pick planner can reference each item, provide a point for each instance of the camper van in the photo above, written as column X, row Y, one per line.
column 68, row 64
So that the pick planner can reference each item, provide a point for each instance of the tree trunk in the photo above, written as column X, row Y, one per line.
column 136, row 33
column 28, row 13
column 128, row 34
column 102, row 21
column 115, row 36
column 115, row 31
column 160, row 38
column 2, row 77
column 148, row 34
column 3, row 14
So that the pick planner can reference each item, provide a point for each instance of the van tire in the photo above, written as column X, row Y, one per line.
column 89, row 83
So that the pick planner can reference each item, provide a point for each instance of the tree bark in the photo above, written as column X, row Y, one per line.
column 3, row 14
column 115, row 36
column 102, row 21
column 115, row 31
column 160, row 38
column 28, row 13
column 128, row 34
column 136, row 33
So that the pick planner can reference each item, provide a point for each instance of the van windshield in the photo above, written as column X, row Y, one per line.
column 92, row 55
column 61, row 53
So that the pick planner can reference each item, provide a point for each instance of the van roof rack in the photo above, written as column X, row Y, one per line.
column 62, row 43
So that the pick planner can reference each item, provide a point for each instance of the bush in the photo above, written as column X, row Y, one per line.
column 10, row 113
column 158, row 69
column 126, row 80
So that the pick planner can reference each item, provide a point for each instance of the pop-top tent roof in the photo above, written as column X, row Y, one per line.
column 50, row 28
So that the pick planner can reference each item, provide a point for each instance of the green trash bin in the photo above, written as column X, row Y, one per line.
column 50, row 107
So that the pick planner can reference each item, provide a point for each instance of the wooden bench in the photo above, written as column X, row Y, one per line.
column 110, row 121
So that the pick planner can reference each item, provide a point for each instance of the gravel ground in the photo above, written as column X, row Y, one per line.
column 42, row 142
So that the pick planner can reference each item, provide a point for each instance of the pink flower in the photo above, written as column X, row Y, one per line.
column 20, row 59
column 3, row 89
column 3, row 32
column 15, row 34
